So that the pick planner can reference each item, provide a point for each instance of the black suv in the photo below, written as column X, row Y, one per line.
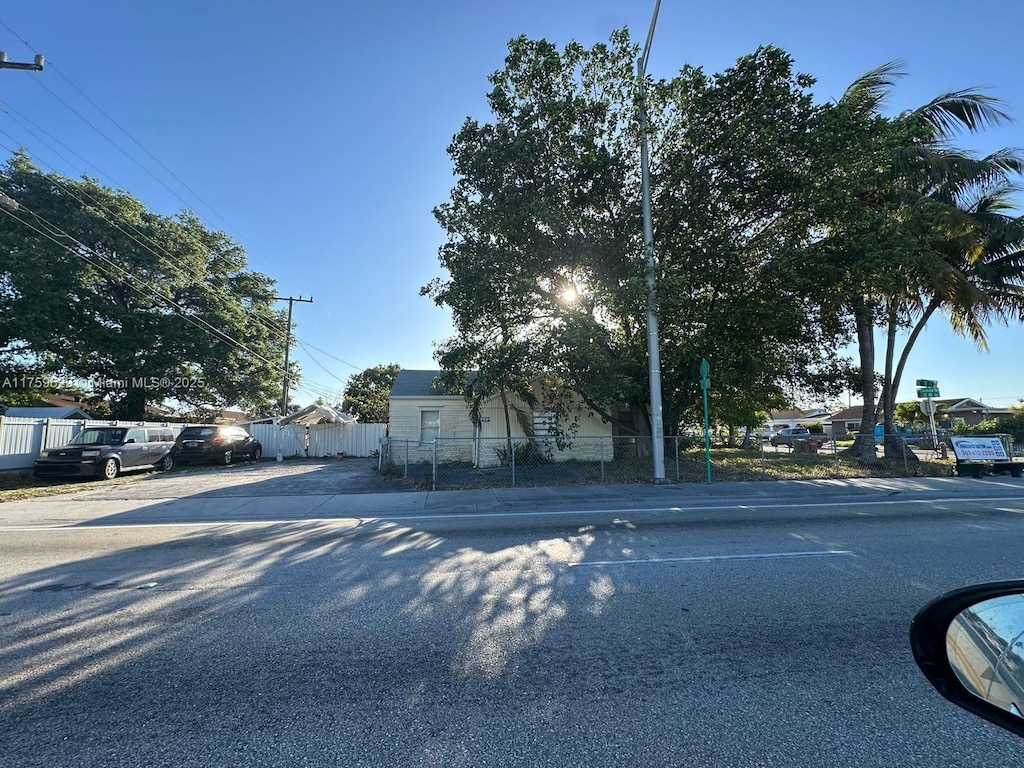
column 106, row 452
column 216, row 443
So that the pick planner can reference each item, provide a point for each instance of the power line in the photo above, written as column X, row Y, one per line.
column 134, row 160
column 191, row 318
column 125, row 275
column 329, row 372
column 169, row 263
column 11, row 112
column 125, row 131
column 267, row 323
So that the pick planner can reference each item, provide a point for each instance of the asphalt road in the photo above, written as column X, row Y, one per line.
column 770, row 635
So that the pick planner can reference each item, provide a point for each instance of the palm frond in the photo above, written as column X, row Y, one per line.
column 871, row 89
column 964, row 110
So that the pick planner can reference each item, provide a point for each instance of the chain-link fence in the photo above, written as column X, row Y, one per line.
column 454, row 463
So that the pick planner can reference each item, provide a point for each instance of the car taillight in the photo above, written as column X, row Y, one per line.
column 217, row 440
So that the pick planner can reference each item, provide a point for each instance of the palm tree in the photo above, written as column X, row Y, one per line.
column 980, row 278
column 919, row 185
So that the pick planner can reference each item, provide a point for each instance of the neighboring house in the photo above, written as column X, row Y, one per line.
column 845, row 421
column 967, row 410
column 46, row 412
column 421, row 412
column 229, row 417
column 785, row 419
column 960, row 410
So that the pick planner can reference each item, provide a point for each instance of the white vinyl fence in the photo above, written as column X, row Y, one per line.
column 289, row 439
column 352, row 439
column 321, row 440
column 22, row 439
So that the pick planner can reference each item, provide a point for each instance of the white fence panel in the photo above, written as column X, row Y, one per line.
column 21, row 439
column 291, row 439
column 58, row 432
column 20, row 442
column 352, row 439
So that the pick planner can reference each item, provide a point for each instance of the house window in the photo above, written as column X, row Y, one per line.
column 430, row 426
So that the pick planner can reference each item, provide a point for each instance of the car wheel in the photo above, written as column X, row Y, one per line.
column 257, row 453
column 166, row 463
column 110, row 470
column 226, row 458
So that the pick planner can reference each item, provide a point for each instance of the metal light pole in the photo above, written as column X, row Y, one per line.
column 653, row 348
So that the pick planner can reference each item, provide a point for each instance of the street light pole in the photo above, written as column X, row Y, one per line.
column 653, row 347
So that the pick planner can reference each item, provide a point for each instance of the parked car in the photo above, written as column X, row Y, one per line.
column 216, row 443
column 106, row 452
column 790, row 434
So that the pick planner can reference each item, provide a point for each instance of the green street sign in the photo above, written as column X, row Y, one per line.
column 930, row 383
column 925, row 392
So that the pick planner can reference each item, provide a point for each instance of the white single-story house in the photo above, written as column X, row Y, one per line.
column 421, row 411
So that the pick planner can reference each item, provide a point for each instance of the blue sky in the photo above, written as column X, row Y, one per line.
column 315, row 132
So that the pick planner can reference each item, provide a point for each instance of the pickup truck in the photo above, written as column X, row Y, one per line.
column 788, row 435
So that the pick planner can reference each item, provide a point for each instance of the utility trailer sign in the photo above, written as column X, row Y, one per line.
column 979, row 449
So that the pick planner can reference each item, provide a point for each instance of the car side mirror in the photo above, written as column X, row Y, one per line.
column 129, row 440
column 970, row 645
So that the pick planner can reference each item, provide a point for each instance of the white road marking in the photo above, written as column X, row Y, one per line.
column 86, row 525
column 710, row 558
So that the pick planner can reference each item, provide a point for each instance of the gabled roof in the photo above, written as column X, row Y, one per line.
column 47, row 412
column 413, row 383
column 784, row 415
column 813, row 413
column 854, row 413
column 954, row 404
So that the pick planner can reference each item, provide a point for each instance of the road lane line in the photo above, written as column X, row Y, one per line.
column 710, row 558
column 85, row 525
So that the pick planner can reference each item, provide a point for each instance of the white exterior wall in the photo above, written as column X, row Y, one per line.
column 404, row 429
column 455, row 423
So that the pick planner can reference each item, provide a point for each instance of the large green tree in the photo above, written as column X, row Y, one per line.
column 148, row 308
column 366, row 393
column 544, row 245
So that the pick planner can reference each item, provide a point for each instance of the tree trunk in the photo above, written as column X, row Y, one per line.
column 642, row 423
column 508, row 425
column 864, row 445
column 135, row 404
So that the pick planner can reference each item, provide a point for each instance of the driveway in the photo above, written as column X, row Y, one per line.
column 299, row 477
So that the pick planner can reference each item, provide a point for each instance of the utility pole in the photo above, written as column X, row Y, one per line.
column 35, row 66
column 287, row 346
column 653, row 347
